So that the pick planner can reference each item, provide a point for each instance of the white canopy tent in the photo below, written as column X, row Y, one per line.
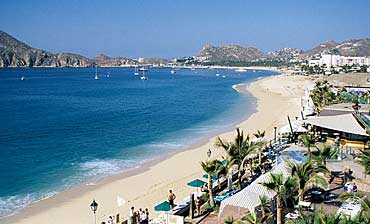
column 249, row 196
column 296, row 125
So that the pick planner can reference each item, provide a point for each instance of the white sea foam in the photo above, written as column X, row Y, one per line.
column 10, row 205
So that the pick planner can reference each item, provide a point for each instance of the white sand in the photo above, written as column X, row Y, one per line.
column 277, row 97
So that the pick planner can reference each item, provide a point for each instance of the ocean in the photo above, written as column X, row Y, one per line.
column 60, row 127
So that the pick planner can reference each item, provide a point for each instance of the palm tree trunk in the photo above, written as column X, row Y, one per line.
column 309, row 153
column 300, row 195
column 260, row 158
column 263, row 211
column 210, row 189
column 251, row 166
column 278, row 209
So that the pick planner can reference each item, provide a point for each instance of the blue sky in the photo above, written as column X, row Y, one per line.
column 161, row 28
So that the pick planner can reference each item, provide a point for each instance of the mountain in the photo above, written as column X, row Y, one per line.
column 325, row 47
column 232, row 53
column 284, row 55
column 358, row 47
column 106, row 61
column 14, row 53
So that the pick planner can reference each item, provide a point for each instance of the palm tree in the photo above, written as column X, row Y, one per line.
column 252, row 218
column 318, row 217
column 264, row 202
column 224, row 169
column 365, row 161
column 229, row 220
column 210, row 168
column 322, row 95
column 261, row 144
column 308, row 141
column 278, row 184
column 324, row 153
column 238, row 150
column 306, row 176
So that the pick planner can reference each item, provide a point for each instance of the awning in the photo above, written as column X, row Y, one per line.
column 249, row 196
column 342, row 123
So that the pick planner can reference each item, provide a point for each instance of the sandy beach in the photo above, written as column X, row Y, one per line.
column 277, row 97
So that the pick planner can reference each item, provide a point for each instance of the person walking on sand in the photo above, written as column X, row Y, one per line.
column 132, row 215
column 147, row 215
column 171, row 199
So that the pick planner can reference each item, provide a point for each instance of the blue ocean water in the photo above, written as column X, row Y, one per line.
column 60, row 127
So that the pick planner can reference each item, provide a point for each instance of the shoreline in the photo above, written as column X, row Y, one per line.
column 75, row 201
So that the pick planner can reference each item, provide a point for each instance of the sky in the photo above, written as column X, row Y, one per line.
column 169, row 28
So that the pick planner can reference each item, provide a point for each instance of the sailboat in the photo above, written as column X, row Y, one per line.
column 173, row 70
column 108, row 75
column 136, row 70
column 143, row 77
column 96, row 73
column 23, row 78
column 217, row 74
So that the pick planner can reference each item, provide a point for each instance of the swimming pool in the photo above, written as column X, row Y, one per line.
column 296, row 155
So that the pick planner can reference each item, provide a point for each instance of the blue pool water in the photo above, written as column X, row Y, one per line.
column 60, row 127
column 296, row 155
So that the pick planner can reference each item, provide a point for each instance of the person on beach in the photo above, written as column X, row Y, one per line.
column 110, row 220
column 140, row 216
column 171, row 199
column 132, row 215
column 146, row 216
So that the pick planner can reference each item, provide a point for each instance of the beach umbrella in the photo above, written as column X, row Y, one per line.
column 196, row 183
column 357, row 92
column 214, row 177
column 164, row 206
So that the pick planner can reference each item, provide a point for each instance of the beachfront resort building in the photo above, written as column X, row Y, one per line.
column 334, row 60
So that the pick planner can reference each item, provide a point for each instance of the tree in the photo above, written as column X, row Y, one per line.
column 252, row 218
column 224, row 169
column 322, row 95
column 364, row 160
column 306, row 176
column 261, row 144
column 278, row 184
column 264, row 202
column 210, row 168
column 324, row 153
column 238, row 150
column 308, row 141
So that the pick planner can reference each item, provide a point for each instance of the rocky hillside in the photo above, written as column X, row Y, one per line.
column 14, row 53
column 105, row 61
column 234, row 53
column 359, row 47
column 285, row 54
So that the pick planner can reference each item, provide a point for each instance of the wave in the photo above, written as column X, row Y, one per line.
column 9, row 205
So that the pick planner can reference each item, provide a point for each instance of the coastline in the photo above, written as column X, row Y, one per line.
column 148, row 185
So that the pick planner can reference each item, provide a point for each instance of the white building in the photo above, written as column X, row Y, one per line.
column 334, row 60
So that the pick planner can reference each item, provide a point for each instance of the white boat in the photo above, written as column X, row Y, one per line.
column 173, row 71
column 108, row 75
column 217, row 74
column 23, row 78
column 96, row 73
column 224, row 76
column 136, row 71
column 143, row 69
column 143, row 77
column 240, row 70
